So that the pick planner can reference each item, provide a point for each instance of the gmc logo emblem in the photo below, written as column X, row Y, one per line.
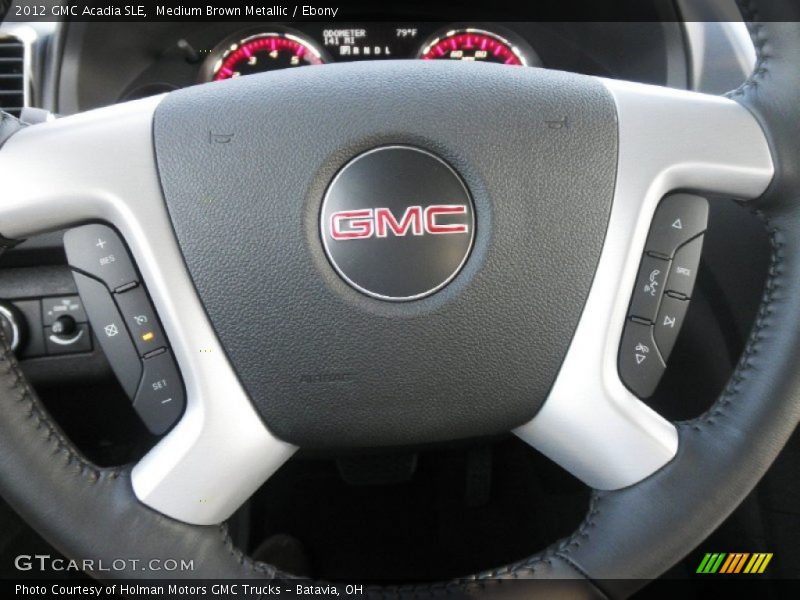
column 368, row 222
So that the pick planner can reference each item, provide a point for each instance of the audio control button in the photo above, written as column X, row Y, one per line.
column 640, row 364
column 678, row 219
column 649, row 288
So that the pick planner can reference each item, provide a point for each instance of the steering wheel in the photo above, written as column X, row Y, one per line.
column 557, row 177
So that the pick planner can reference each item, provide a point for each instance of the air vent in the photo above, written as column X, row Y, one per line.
column 12, row 76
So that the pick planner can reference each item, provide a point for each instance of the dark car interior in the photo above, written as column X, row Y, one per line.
column 421, row 512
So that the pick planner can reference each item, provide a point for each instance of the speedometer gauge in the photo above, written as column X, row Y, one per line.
column 264, row 52
column 473, row 45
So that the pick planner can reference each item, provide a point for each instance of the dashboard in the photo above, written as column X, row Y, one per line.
column 107, row 63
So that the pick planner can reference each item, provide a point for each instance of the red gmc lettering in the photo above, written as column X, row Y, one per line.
column 412, row 218
column 444, row 209
column 364, row 223
column 359, row 221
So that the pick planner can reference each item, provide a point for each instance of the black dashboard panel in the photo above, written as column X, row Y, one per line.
column 106, row 63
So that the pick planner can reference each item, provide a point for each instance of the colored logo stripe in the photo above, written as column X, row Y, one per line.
column 758, row 563
column 721, row 562
column 734, row 563
column 711, row 563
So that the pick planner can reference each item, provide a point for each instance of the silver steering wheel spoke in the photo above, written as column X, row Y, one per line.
column 669, row 140
column 100, row 166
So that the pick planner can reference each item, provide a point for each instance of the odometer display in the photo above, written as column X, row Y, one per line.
column 473, row 45
column 265, row 52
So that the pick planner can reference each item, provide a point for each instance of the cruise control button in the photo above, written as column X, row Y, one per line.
column 54, row 308
column 141, row 320
column 640, row 364
column 160, row 399
column 669, row 322
column 649, row 287
column 683, row 272
column 678, row 219
column 111, row 332
column 98, row 251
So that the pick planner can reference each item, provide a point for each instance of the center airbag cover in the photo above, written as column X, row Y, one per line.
column 245, row 165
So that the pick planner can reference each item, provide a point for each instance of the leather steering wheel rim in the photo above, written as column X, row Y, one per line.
column 628, row 537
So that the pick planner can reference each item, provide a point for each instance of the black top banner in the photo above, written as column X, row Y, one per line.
column 328, row 10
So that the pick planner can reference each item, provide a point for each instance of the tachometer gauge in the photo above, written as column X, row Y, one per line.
column 263, row 52
column 473, row 45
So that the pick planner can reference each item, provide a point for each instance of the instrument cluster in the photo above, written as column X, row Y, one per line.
column 110, row 64
column 248, row 52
